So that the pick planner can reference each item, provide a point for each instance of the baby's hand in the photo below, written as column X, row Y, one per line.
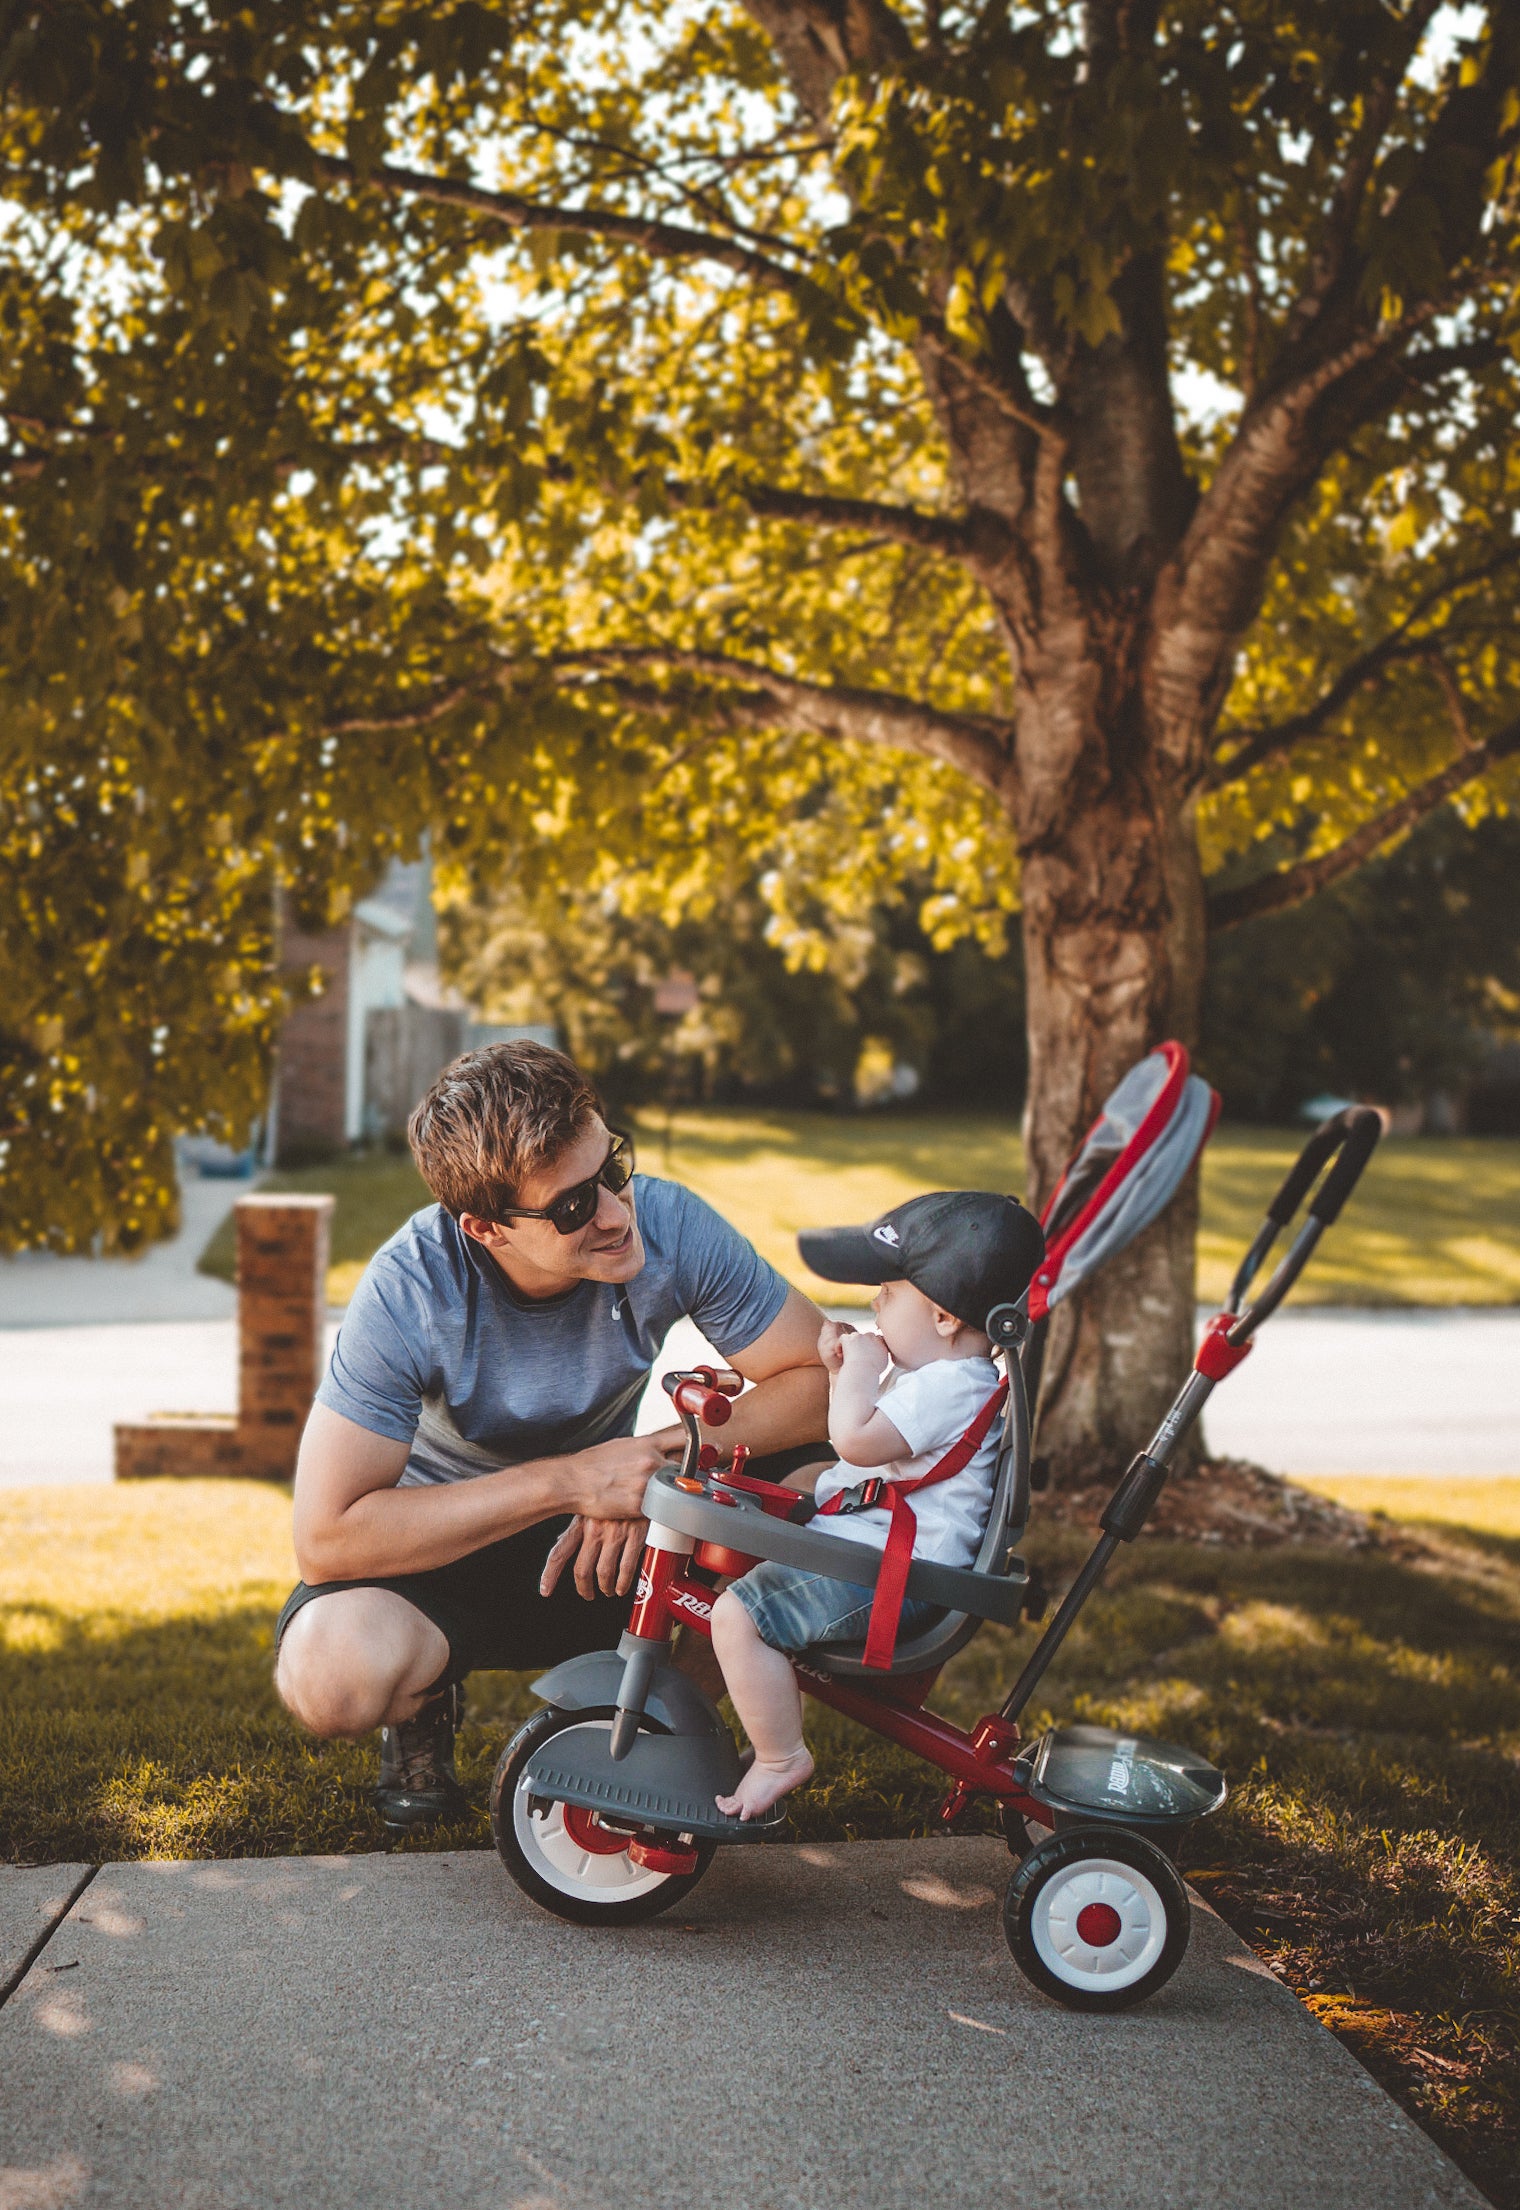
column 831, row 1337
column 863, row 1353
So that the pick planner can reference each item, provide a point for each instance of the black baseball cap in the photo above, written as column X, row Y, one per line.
column 967, row 1249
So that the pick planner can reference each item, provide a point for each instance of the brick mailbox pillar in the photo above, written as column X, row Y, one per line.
column 281, row 1273
column 282, row 1246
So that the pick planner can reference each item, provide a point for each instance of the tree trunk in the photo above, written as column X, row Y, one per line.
column 1114, row 948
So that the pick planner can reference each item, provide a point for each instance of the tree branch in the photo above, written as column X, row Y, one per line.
column 1209, row 591
column 906, row 525
column 1018, row 405
column 663, row 240
column 1380, row 102
column 1289, row 887
column 1256, row 745
column 979, row 745
column 818, row 43
column 423, row 716
column 1268, row 743
column 1451, row 693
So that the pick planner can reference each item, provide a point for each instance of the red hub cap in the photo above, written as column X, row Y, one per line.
column 1099, row 1924
column 586, row 1829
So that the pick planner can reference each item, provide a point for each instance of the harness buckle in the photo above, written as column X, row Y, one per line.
column 864, row 1497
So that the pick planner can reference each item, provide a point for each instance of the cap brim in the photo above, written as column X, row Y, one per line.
column 847, row 1254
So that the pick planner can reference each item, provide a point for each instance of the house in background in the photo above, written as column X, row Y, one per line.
column 356, row 1059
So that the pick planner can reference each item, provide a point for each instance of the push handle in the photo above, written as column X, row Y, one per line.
column 1353, row 1132
column 1363, row 1133
column 1349, row 1137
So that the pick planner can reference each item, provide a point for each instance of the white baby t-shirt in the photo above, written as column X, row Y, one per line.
column 931, row 1407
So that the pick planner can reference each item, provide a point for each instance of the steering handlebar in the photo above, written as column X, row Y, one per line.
column 703, row 1394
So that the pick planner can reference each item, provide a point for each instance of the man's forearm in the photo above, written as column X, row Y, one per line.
column 789, row 1408
column 411, row 1530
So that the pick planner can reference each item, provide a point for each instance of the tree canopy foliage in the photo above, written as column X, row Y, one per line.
column 827, row 444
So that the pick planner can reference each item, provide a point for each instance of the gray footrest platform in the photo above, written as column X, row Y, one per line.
column 667, row 1781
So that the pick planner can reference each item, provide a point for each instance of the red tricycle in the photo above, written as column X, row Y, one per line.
column 603, row 1804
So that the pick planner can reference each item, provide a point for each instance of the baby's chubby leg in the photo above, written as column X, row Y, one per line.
column 769, row 1703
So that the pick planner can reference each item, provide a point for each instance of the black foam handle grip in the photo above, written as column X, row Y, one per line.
column 1304, row 1170
column 1354, row 1132
column 1362, row 1133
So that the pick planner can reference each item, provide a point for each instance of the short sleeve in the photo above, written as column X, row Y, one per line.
column 724, row 1284
column 379, row 1369
column 931, row 1408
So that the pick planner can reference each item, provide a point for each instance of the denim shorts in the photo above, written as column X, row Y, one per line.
column 793, row 1610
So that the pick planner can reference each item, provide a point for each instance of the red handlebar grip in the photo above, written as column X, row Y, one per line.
column 708, row 1405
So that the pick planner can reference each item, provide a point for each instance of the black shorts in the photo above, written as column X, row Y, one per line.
column 487, row 1606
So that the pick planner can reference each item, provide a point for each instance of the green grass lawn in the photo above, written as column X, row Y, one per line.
column 1366, row 1709
column 1434, row 1222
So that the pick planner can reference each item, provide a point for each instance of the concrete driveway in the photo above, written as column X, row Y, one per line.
column 839, row 2026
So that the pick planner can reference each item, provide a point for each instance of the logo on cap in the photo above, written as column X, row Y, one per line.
column 887, row 1234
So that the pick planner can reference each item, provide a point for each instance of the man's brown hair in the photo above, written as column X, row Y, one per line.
column 493, row 1119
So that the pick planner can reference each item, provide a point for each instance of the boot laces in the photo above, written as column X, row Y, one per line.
column 421, row 1749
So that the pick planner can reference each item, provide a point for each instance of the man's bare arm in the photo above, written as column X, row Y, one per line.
column 352, row 1522
column 789, row 1403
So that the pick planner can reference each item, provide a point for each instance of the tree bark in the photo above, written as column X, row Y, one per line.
column 1113, row 924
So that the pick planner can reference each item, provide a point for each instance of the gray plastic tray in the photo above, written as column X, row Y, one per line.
column 744, row 1526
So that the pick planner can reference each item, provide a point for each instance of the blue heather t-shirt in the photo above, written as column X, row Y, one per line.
column 438, row 1351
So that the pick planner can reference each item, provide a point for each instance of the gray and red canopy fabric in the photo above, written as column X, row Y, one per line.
column 1131, row 1164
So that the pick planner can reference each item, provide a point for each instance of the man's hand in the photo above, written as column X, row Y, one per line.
column 607, row 1481
column 606, row 1536
column 831, row 1338
column 606, row 1554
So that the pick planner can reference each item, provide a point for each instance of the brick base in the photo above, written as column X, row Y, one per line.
column 187, row 1449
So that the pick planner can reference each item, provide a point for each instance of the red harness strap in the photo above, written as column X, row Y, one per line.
column 892, row 1582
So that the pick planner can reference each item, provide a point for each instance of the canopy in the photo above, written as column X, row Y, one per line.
column 1131, row 1164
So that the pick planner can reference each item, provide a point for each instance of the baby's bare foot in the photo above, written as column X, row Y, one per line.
column 765, row 1784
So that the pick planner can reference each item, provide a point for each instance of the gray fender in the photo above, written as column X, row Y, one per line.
column 583, row 1683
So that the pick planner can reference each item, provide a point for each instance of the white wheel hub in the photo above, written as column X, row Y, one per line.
column 560, row 1860
column 1098, row 1924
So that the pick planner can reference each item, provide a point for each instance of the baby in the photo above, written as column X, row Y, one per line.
column 942, row 1262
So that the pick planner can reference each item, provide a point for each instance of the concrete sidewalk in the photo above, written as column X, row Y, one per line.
column 42, row 1289
column 839, row 2026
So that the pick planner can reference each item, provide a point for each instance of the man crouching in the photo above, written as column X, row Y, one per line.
column 472, row 1437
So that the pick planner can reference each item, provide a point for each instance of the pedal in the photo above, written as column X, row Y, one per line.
column 1036, row 1596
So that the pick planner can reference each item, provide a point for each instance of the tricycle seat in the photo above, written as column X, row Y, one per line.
column 993, row 1588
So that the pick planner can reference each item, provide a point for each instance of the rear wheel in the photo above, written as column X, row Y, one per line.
column 569, row 1860
column 1097, row 1917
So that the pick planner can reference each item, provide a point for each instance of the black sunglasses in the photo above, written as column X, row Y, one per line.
column 574, row 1207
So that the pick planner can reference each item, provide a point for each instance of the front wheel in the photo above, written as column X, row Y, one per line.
column 1097, row 1917
column 565, row 1858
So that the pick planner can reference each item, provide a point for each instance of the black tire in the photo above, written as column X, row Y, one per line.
column 532, row 1842
column 1137, row 1898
